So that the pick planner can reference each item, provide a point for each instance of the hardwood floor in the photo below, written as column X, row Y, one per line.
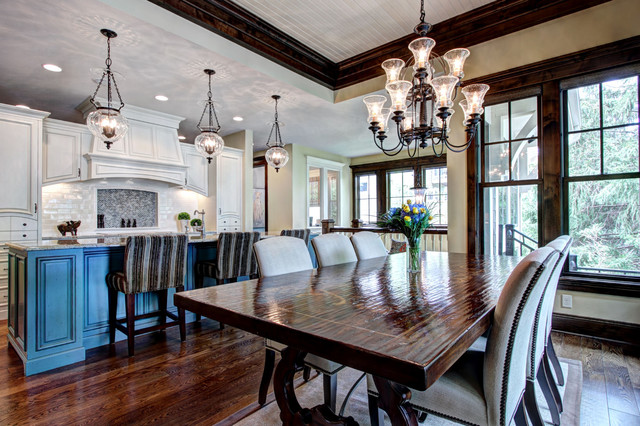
column 217, row 373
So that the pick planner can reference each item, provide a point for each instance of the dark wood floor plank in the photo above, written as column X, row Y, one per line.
column 620, row 393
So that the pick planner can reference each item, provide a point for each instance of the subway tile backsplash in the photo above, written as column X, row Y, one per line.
column 79, row 201
column 128, row 204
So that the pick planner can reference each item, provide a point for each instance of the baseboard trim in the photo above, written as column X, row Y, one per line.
column 602, row 329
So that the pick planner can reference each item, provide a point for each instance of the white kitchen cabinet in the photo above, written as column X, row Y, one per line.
column 62, row 149
column 198, row 170
column 229, row 190
column 20, row 144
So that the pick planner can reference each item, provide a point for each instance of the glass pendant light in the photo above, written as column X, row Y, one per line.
column 106, row 122
column 276, row 155
column 209, row 143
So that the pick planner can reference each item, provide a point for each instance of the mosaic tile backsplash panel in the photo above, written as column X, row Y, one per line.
column 128, row 204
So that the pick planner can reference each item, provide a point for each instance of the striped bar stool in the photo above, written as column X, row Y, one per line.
column 234, row 259
column 303, row 234
column 152, row 263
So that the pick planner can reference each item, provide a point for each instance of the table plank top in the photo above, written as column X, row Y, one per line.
column 369, row 315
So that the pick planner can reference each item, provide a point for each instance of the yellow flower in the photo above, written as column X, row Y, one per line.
column 423, row 210
column 405, row 208
column 408, row 201
column 407, row 219
column 430, row 217
column 415, row 210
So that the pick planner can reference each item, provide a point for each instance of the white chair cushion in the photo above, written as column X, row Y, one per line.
column 323, row 365
column 333, row 249
column 368, row 245
column 282, row 255
column 457, row 395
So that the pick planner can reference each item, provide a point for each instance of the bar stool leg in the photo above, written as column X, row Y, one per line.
column 162, row 306
column 113, row 308
column 131, row 320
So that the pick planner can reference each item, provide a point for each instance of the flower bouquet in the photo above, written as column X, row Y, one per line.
column 410, row 220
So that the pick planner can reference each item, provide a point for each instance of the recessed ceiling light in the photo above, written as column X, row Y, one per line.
column 181, row 137
column 162, row 98
column 23, row 106
column 52, row 67
column 237, row 118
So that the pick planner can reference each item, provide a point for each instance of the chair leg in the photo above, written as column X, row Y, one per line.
column 531, row 404
column 376, row 415
column 162, row 306
column 551, row 354
column 422, row 416
column 131, row 321
column 330, row 387
column 548, row 396
column 520, row 417
column 113, row 308
column 306, row 373
column 269, row 362
column 181, row 320
column 546, row 369
column 198, row 283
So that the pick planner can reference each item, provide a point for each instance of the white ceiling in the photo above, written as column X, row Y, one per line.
column 340, row 29
column 155, row 57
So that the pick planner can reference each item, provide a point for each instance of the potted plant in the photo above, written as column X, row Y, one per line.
column 183, row 218
column 196, row 224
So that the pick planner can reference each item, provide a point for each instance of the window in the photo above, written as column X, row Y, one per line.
column 323, row 191
column 399, row 184
column 602, row 176
column 366, row 198
column 510, row 179
column 434, row 179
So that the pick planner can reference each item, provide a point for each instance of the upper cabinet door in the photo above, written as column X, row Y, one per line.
column 198, row 171
column 20, row 141
column 229, row 183
column 62, row 151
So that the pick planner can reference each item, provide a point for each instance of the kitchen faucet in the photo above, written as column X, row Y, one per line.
column 201, row 213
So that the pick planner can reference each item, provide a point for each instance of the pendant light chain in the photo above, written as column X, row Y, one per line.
column 212, row 114
column 422, row 14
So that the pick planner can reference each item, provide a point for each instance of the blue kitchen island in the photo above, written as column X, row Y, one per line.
column 58, row 299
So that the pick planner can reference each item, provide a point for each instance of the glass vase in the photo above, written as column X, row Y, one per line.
column 413, row 256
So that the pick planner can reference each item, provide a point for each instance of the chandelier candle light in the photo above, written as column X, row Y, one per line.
column 422, row 108
column 276, row 155
column 209, row 143
column 106, row 122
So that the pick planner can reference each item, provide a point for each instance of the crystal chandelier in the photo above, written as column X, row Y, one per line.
column 422, row 108
column 106, row 122
column 209, row 143
column 276, row 155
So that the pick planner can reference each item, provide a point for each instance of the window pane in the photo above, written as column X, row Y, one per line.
column 366, row 198
column 510, row 219
column 603, row 221
column 524, row 163
column 584, row 108
column 496, row 162
column 496, row 123
column 584, row 154
column 621, row 150
column 398, row 187
column 620, row 101
column 524, row 118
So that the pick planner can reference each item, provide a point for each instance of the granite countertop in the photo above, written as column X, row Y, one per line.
column 85, row 242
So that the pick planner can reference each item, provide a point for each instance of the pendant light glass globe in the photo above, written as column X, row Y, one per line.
column 209, row 145
column 107, row 124
column 277, row 157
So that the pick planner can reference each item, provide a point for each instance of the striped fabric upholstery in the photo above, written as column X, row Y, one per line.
column 297, row 233
column 151, row 263
column 234, row 257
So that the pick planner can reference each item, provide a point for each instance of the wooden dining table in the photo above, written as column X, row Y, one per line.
column 404, row 329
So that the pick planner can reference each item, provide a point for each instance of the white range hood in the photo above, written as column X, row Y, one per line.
column 149, row 150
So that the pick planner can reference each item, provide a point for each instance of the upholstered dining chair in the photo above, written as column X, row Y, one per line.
column 368, row 245
column 285, row 255
column 333, row 249
column 538, row 366
column 152, row 263
column 234, row 259
column 485, row 388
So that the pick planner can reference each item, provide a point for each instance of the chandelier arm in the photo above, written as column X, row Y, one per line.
column 380, row 146
column 415, row 149
column 433, row 147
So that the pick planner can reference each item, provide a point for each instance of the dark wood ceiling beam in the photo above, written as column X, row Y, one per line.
column 240, row 26
column 485, row 23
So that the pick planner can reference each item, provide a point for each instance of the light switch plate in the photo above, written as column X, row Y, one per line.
column 567, row 301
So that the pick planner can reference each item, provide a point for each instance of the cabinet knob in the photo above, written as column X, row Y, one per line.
column 24, row 235
column 24, row 224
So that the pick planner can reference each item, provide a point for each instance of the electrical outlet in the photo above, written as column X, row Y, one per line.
column 567, row 301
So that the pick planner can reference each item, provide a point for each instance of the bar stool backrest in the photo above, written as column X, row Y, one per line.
column 235, row 257
column 297, row 233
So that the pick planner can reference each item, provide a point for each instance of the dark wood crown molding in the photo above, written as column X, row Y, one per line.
column 485, row 23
